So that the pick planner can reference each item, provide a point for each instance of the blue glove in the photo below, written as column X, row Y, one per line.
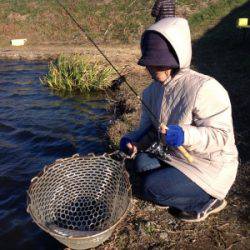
column 123, row 144
column 174, row 136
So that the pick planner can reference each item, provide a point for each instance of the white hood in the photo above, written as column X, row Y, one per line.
column 176, row 31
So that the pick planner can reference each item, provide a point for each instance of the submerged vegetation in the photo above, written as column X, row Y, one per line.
column 77, row 74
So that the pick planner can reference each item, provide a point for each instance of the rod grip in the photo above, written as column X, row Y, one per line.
column 186, row 154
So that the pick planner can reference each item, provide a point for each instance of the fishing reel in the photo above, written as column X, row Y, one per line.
column 159, row 151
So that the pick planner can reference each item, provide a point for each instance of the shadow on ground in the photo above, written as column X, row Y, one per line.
column 223, row 52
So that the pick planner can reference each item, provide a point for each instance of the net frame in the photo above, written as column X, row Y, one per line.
column 117, row 189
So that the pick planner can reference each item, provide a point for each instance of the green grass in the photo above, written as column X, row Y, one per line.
column 121, row 21
column 46, row 21
column 77, row 74
column 208, row 17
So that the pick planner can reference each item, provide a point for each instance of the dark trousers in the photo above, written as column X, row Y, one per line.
column 167, row 186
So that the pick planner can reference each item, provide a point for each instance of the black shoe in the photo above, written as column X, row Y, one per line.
column 213, row 207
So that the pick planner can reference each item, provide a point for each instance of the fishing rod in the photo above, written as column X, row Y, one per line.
column 181, row 148
column 107, row 59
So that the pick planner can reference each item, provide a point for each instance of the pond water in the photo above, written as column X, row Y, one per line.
column 36, row 128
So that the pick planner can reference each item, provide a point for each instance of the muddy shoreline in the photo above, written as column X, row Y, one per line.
column 48, row 52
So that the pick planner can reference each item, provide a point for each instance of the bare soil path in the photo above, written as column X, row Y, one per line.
column 116, row 52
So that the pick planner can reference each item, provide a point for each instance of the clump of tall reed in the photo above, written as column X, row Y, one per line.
column 77, row 74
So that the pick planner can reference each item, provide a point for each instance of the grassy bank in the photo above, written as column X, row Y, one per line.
column 208, row 17
column 106, row 20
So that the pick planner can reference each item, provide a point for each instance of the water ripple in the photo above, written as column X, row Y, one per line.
column 4, row 128
column 36, row 128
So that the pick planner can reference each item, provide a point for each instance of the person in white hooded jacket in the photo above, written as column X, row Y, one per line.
column 197, row 111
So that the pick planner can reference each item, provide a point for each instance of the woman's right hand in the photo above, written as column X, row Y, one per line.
column 132, row 149
column 128, row 147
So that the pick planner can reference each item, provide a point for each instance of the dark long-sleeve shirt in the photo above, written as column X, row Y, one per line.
column 163, row 8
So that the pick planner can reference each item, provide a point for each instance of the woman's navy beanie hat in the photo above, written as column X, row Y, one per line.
column 157, row 51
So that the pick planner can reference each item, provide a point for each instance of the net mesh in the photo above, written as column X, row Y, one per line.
column 79, row 194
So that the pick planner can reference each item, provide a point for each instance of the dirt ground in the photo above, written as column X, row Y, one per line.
column 52, row 51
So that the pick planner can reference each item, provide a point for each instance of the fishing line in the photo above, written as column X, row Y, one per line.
column 181, row 148
column 107, row 59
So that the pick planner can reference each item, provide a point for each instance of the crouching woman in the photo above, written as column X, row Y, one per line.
column 197, row 111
